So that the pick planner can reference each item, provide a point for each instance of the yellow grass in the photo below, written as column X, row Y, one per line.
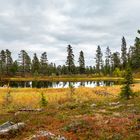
column 31, row 97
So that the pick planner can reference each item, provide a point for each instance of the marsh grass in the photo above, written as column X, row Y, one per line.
column 74, row 118
column 24, row 97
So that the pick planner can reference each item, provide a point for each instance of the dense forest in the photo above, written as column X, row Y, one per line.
column 113, row 64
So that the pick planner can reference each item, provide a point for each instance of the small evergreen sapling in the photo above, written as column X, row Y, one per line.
column 43, row 101
column 126, row 91
column 72, row 90
column 8, row 98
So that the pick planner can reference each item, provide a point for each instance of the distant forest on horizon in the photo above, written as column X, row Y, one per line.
column 113, row 64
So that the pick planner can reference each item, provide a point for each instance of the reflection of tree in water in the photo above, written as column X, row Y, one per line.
column 65, row 83
column 47, row 84
column 54, row 85
column 21, row 84
column 27, row 84
column 98, row 83
column 90, row 82
column 107, row 83
column 3, row 83
column 58, row 83
column 42, row 84
column 82, row 84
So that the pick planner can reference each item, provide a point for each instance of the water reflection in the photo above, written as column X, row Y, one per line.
column 47, row 84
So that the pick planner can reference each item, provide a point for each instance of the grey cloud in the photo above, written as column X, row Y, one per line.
column 49, row 25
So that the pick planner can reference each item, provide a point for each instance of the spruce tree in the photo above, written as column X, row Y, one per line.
column 70, row 60
column 81, row 63
column 9, row 61
column 43, row 101
column 130, row 55
column 14, row 68
column 126, row 91
column 64, row 70
column 24, row 62
column 108, row 61
column 136, row 56
column 124, row 53
column 2, row 62
column 35, row 64
column 21, row 61
column 115, row 60
column 44, row 64
column 58, row 70
column 99, row 60
column 27, row 64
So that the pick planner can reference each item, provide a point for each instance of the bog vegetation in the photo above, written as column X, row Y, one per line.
column 82, row 113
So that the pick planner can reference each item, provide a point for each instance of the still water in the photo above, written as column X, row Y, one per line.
column 47, row 84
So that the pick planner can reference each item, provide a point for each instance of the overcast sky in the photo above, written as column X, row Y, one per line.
column 50, row 25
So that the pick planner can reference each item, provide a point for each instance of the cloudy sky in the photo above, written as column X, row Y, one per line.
column 50, row 25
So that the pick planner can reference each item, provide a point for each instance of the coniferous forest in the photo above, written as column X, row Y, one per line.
column 106, row 64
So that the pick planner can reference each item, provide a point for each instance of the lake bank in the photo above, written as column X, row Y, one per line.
column 64, row 79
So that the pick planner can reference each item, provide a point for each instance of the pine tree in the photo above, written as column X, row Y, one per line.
column 24, row 62
column 52, row 70
column 35, row 64
column 14, row 68
column 131, row 53
column 59, row 70
column 99, row 60
column 108, row 61
column 44, row 64
column 81, row 63
column 87, row 71
column 9, row 61
column 136, row 56
column 124, row 53
column 44, row 59
column 115, row 60
column 21, row 61
column 64, row 70
column 126, row 91
column 2, row 62
column 70, row 60
column 28, row 64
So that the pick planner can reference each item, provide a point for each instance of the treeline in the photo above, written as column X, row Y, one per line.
column 113, row 64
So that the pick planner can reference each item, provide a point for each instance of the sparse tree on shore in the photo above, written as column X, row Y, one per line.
column 99, row 61
column 70, row 60
column 81, row 63
column 35, row 64
column 123, row 53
